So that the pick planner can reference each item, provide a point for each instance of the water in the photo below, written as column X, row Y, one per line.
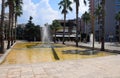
column 20, row 54
column 45, row 35
column 46, row 39
column 91, row 38
column 91, row 44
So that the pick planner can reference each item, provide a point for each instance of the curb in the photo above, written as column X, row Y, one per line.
column 2, row 58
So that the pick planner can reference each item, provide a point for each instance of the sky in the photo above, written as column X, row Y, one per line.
column 45, row 11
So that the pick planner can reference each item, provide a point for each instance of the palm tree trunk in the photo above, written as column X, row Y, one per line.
column 103, row 26
column 77, row 24
column 119, row 31
column 86, row 31
column 5, row 30
column 12, row 35
column 55, row 36
column 93, row 45
column 9, row 27
column 15, row 28
column 80, row 32
column 2, row 27
column 69, row 36
column 93, row 30
column 64, row 28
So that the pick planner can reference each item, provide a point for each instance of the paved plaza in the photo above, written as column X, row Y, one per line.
column 102, row 67
column 110, row 46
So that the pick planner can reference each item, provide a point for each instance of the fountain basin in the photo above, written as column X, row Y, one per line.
column 22, row 54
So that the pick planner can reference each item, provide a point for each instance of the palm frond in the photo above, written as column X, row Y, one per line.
column 70, row 8
column 85, row 2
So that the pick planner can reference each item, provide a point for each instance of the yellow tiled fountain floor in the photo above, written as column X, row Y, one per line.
column 22, row 54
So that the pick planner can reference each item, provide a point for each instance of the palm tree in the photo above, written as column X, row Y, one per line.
column 12, row 26
column 10, row 3
column 103, row 26
column 97, row 12
column 86, row 19
column 65, row 5
column 55, row 27
column 18, row 12
column 2, row 27
column 92, row 26
column 118, row 19
column 77, row 12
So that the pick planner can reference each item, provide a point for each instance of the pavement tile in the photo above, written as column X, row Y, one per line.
column 104, row 67
column 41, row 76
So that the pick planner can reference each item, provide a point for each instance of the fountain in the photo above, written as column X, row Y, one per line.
column 45, row 35
column 83, row 52
column 91, row 44
column 46, row 39
column 91, row 38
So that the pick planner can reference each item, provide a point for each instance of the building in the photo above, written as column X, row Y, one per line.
column 111, row 8
column 70, row 29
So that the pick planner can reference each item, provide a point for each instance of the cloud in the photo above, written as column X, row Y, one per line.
column 41, row 12
column 82, row 9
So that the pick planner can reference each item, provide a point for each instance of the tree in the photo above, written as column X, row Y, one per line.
column 19, row 32
column 117, row 17
column 92, row 26
column 10, row 3
column 86, row 19
column 103, row 26
column 65, row 5
column 97, row 13
column 12, row 21
column 77, row 12
column 18, row 12
column 31, row 32
column 55, row 27
column 2, row 27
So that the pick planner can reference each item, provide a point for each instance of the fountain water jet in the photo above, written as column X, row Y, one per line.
column 46, row 39
column 45, row 35
column 91, row 38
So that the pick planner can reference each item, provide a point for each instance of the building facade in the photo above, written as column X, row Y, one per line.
column 70, row 30
column 112, row 7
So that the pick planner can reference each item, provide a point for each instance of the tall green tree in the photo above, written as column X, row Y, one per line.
column 31, row 31
column 77, row 12
column 2, row 27
column 12, row 26
column 55, row 27
column 117, row 17
column 103, row 26
column 65, row 5
column 18, row 12
column 10, row 4
column 20, row 32
column 86, row 19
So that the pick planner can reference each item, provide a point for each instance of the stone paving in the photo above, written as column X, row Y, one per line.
column 102, row 67
column 114, row 46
